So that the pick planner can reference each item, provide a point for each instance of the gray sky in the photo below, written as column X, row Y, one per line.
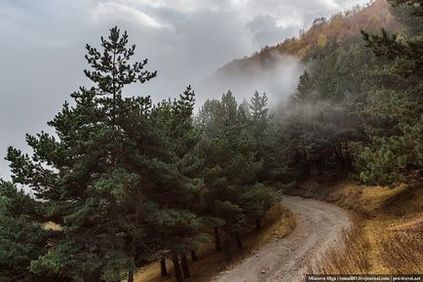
column 42, row 47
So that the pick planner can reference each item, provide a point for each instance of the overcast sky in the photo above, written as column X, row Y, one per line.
column 42, row 46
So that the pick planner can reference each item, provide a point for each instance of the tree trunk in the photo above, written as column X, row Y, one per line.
column 131, row 275
column 193, row 256
column 185, row 266
column 238, row 240
column 347, row 152
column 258, row 223
column 217, row 239
column 163, row 269
column 338, row 154
column 95, row 276
column 306, row 168
column 177, row 268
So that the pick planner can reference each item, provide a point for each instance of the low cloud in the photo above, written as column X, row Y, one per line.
column 112, row 11
column 266, row 31
column 42, row 48
column 277, row 76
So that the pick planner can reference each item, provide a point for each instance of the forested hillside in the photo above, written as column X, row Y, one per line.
column 361, row 110
column 127, row 181
column 373, row 17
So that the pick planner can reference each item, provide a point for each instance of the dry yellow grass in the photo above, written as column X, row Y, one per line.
column 278, row 222
column 372, row 201
column 387, row 236
column 402, row 251
column 370, row 248
column 50, row 225
column 353, row 257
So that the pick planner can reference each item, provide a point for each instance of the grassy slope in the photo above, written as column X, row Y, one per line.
column 388, row 232
column 277, row 223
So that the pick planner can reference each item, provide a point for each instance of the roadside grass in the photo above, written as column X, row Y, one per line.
column 387, row 234
column 352, row 257
column 277, row 223
column 403, row 251
column 370, row 248
column 391, row 223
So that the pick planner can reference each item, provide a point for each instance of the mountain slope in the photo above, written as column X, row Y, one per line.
column 340, row 26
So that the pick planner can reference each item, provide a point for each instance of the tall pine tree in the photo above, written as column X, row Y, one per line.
column 393, row 113
column 108, row 176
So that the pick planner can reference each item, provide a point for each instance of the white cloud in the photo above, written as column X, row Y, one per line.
column 106, row 11
column 177, row 5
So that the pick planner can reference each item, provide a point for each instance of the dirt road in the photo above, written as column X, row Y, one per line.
column 319, row 227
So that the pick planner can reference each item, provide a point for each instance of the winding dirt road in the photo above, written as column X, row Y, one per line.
column 319, row 227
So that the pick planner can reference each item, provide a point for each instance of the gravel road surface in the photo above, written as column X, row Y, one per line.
column 319, row 227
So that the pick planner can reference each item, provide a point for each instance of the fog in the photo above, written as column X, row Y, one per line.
column 277, row 77
column 42, row 49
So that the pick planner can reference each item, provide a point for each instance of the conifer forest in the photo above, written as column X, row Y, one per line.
column 130, row 187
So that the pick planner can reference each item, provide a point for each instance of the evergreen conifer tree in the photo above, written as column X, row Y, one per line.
column 393, row 113
column 108, row 176
column 22, row 238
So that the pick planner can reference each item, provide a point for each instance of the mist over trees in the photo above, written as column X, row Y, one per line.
column 358, row 106
column 130, row 182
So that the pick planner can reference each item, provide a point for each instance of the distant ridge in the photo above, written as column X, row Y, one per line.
column 372, row 17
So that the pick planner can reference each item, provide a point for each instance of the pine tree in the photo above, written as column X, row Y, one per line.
column 230, row 169
column 22, row 238
column 393, row 113
column 258, row 125
column 104, row 176
column 304, row 89
column 178, row 226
